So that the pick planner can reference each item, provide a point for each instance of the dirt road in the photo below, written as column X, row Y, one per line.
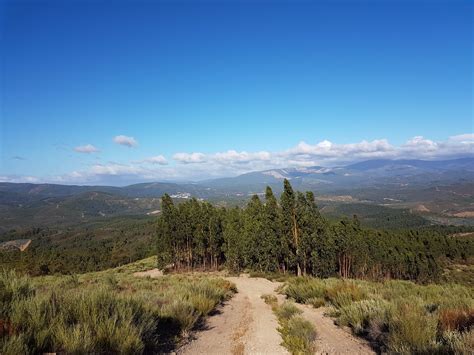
column 330, row 338
column 246, row 325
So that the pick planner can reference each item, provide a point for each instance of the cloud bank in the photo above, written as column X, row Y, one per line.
column 197, row 165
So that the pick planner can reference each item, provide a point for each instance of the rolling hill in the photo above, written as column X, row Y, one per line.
column 434, row 189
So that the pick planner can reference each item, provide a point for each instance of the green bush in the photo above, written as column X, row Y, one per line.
column 286, row 311
column 458, row 342
column 12, row 288
column 269, row 299
column 302, row 288
column 398, row 316
column 412, row 330
column 316, row 302
column 343, row 293
column 93, row 314
column 298, row 335
column 359, row 315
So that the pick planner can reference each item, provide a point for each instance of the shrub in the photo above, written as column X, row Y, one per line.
column 77, row 339
column 456, row 319
column 358, row 315
column 12, row 288
column 316, row 302
column 202, row 304
column 458, row 343
column 411, row 330
column 286, row 311
column 13, row 345
column 183, row 312
column 269, row 299
column 143, row 316
column 298, row 335
column 399, row 316
column 301, row 289
column 343, row 293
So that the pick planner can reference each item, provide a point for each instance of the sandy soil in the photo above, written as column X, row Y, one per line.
column 465, row 214
column 153, row 273
column 421, row 208
column 332, row 339
column 246, row 325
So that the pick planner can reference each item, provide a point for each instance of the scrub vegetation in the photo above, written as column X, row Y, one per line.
column 297, row 333
column 104, row 312
column 397, row 316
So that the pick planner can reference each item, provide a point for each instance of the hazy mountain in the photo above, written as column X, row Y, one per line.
column 440, row 186
column 360, row 174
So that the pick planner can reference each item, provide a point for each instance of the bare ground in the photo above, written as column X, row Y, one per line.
column 246, row 325
column 153, row 273
column 332, row 339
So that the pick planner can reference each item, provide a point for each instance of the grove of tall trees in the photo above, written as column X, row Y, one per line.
column 291, row 236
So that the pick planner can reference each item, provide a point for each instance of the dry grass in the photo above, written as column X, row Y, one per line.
column 456, row 319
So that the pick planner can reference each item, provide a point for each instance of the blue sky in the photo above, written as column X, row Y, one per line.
column 212, row 88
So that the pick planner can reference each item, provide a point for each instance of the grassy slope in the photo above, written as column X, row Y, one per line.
column 398, row 316
column 110, row 311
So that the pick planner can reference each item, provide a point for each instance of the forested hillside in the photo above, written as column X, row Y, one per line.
column 81, row 248
column 291, row 236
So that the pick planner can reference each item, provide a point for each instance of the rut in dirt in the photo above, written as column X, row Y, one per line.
column 246, row 325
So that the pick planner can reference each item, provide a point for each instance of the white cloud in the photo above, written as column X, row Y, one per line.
column 463, row 138
column 158, row 159
column 195, row 166
column 88, row 148
column 420, row 145
column 115, row 169
column 20, row 179
column 232, row 156
column 327, row 151
column 126, row 141
column 231, row 162
column 189, row 158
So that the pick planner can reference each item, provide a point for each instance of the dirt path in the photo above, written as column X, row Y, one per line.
column 332, row 339
column 246, row 325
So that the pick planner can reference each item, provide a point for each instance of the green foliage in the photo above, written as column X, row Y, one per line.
column 344, row 293
column 85, row 316
column 361, row 315
column 291, row 237
column 269, row 299
column 286, row 311
column 12, row 289
column 399, row 316
column 79, row 248
column 412, row 329
column 376, row 216
column 297, row 333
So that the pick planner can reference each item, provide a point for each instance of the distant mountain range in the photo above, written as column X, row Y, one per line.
column 445, row 188
column 359, row 175
column 362, row 174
